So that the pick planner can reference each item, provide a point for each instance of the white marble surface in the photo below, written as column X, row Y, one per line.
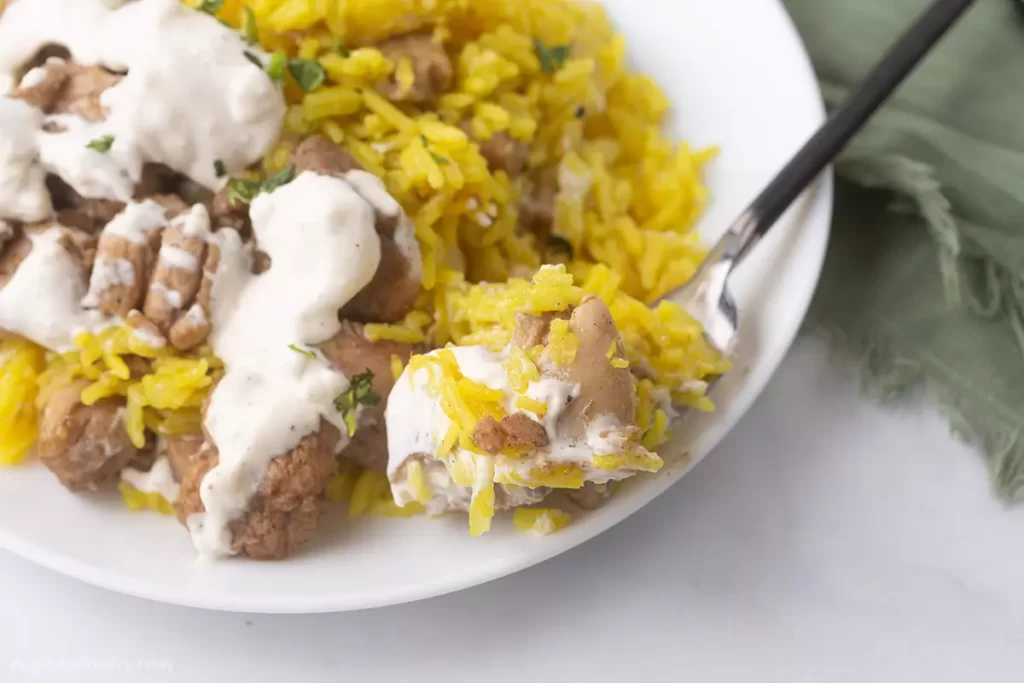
column 825, row 540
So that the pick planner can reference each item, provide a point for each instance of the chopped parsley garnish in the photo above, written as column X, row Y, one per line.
column 551, row 58
column 210, row 6
column 305, row 352
column 254, row 59
column 360, row 392
column 219, row 168
column 282, row 177
column 340, row 48
column 308, row 73
column 249, row 28
column 243, row 190
column 102, row 144
column 276, row 65
column 438, row 159
column 556, row 243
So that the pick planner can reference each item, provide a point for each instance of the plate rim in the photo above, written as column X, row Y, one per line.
column 817, row 209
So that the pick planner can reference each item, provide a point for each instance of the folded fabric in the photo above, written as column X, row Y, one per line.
column 925, row 273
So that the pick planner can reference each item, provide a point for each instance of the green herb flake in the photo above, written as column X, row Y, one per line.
column 305, row 352
column 102, row 144
column 340, row 48
column 282, row 177
column 276, row 66
column 551, row 58
column 242, row 190
column 360, row 392
column 210, row 6
column 557, row 243
column 441, row 161
column 351, row 422
column 423, row 139
column 219, row 168
column 249, row 28
column 308, row 73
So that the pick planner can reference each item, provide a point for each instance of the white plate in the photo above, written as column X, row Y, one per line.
column 738, row 77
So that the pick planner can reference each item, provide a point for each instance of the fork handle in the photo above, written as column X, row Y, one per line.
column 844, row 122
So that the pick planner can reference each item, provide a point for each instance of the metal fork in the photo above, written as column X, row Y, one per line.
column 706, row 295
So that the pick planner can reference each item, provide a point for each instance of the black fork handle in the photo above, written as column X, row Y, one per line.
column 845, row 121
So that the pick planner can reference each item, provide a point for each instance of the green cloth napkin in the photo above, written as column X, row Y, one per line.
column 925, row 273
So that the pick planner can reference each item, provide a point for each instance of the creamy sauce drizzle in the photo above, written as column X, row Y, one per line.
column 321, row 239
column 190, row 98
column 159, row 479
column 54, row 318
column 23, row 195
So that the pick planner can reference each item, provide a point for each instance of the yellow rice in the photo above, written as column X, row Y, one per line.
column 627, row 202
column 540, row 521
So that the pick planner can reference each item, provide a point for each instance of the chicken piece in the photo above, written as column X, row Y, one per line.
column 431, row 66
column 532, row 330
column 516, row 431
column 537, row 210
column 85, row 446
column 396, row 284
column 178, row 271
column 502, row 151
column 318, row 154
column 261, row 262
column 146, row 330
column 125, row 255
column 118, row 279
column 181, row 450
column 285, row 509
column 352, row 353
column 521, row 432
column 227, row 213
column 488, row 435
column 59, row 87
column 193, row 327
column 7, row 234
column 604, row 389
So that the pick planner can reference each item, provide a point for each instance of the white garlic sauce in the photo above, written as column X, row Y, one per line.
column 107, row 272
column 176, row 257
column 52, row 320
column 319, row 233
column 23, row 194
column 159, row 479
column 189, row 99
